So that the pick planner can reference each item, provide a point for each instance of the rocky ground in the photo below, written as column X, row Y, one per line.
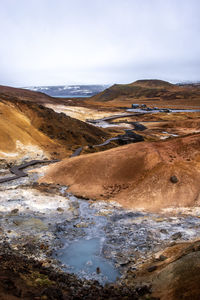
column 40, row 220
column 35, row 221
column 140, row 201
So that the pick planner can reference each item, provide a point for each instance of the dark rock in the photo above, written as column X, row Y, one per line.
column 162, row 257
column 15, row 211
column 17, row 222
column 143, row 290
column 173, row 179
column 98, row 270
column 60, row 209
column 151, row 268
column 138, row 126
column 172, row 244
column 176, row 236
column 129, row 137
column 53, row 293
column 116, row 217
column 164, row 231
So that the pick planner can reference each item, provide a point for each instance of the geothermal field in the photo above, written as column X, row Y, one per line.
column 100, row 192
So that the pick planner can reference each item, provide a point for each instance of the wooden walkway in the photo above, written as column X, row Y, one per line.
column 17, row 170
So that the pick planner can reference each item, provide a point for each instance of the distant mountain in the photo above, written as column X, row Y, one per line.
column 152, row 83
column 69, row 90
column 189, row 83
column 147, row 89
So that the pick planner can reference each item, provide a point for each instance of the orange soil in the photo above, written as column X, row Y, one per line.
column 15, row 126
column 28, row 127
column 175, row 277
column 136, row 175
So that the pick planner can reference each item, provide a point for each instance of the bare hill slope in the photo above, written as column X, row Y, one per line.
column 13, row 94
column 153, row 92
column 136, row 175
column 27, row 127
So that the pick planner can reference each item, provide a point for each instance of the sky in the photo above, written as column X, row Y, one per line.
column 56, row 42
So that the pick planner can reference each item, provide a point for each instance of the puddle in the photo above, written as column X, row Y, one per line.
column 83, row 257
column 84, row 239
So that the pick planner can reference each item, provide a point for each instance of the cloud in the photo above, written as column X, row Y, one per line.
column 64, row 41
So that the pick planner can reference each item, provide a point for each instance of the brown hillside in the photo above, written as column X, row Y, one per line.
column 136, row 175
column 139, row 88
column 13, row 94
column 150, row 92
column 153, row 83
column 24, row 125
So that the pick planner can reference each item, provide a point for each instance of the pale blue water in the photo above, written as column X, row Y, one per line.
column 83, row 257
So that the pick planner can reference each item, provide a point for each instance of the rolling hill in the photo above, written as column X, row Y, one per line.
column 30, row 128
column 138, row 176
column 151, row 92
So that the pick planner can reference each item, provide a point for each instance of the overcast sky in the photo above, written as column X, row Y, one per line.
column 52, row 42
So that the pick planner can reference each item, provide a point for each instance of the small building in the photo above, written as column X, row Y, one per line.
column 135, row 105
